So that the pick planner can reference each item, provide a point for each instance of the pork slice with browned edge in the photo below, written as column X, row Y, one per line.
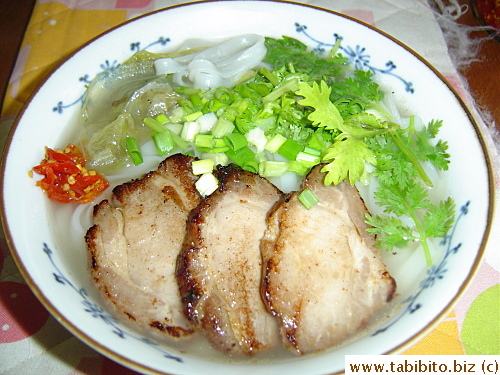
column 323, row 279
column 220, row 266
column 134, row 243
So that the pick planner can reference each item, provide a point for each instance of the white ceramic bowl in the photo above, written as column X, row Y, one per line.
column 55, row 266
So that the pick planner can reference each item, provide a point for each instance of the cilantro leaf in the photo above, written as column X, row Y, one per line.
column 325, row 113
column 392, row 165
column 389, row 231
column 429, row 220
column 357, row 93
column 402, row 201
column 438, row 220
column 349, row 157
column 363, row 125
column 436, row 154
column 296, row 53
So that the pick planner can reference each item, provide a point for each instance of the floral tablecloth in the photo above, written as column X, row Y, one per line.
column 32, row 342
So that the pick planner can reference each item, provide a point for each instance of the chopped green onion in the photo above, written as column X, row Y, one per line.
column 222, row 127
column 213, row 105
column 248, row 92
column 242, row 156
column 252, row 166
column 213, row 145
column 163, row 142
column 186, row 90
column 195, row 99
column 257, row 137
column 206, row 184
column 289, row 149
column 219, row 142
column 229, row 114
column 134, row 150
column 298, row 168
column 154, row 124
column 260, row 157
column 224, row 94
column 189, row 130
column 193, row 116
column 162, row 118
column 174, row 128
column 275, row 143
column 312, row 151
column 240, row 105
column 307, row 198
column 261, row 88
column 202, row 166
column 335, row 47
column 182, row 144
column 270, row 76
column 204, row 140
column 307, row 159
column 219, row 158
column 291, row 85
column 273, row 168
column 206, row 121
column 213, row 150
column 235, row 141
column 177, row 114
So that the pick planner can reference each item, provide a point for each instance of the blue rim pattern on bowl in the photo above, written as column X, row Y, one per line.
column 131, row 359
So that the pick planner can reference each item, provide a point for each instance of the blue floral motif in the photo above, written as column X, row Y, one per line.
column 357, row 55
column 434, row 273
column 108, row 66
column 60, row 106
column 85, row 79
column 136, row 46
column 97, row 312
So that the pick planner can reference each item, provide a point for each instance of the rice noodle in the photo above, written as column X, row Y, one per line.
column 220, row 65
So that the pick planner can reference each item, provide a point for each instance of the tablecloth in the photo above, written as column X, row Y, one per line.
column 33, row 342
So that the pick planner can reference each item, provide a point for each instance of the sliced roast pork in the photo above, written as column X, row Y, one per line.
column 134, row 243
column 322, row 278
column 220, row 266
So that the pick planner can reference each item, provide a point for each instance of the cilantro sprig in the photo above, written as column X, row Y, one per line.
column 430, row 220
column 395, row 153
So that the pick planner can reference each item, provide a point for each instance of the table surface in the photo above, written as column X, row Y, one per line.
column 481, row 76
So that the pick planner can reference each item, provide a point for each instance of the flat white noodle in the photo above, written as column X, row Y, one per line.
column 219, row 65
column 81, row 220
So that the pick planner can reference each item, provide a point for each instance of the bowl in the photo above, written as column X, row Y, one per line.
column 53, row 261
